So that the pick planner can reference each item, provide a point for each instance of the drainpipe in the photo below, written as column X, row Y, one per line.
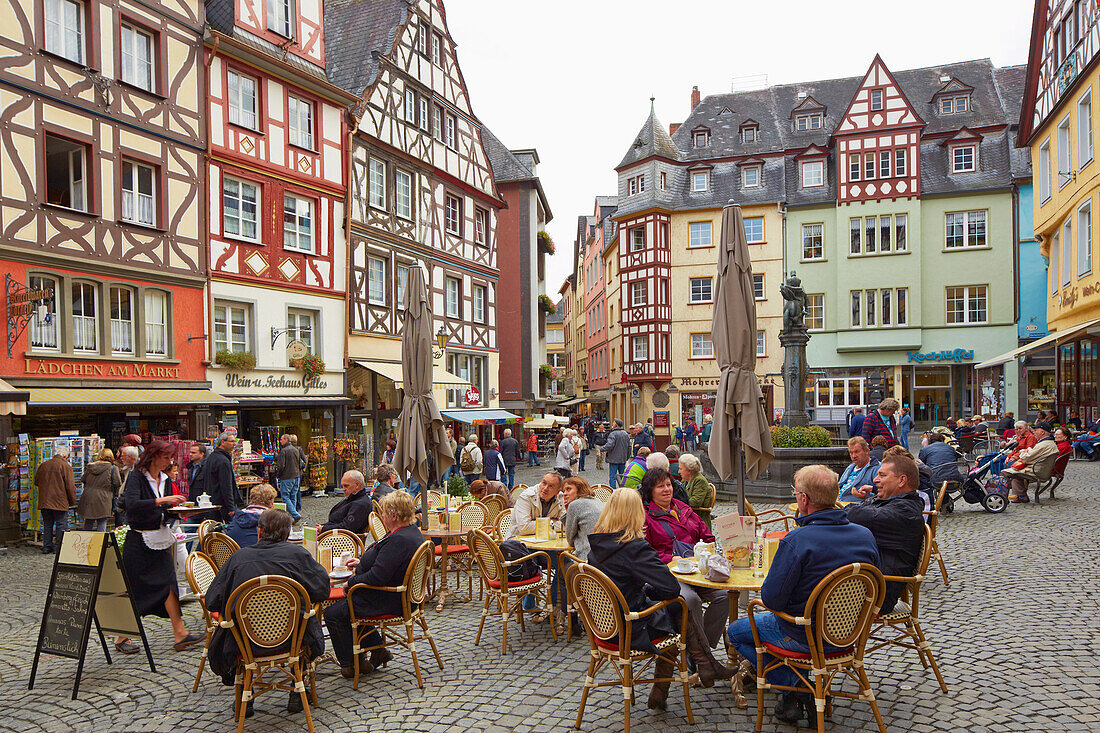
column 1016, row 288
column 348, row 153
column 206, row 218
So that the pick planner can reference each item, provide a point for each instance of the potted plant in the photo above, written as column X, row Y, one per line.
column 312, row 366
column 235, row 359
column 546, row 244
column 547, row 305
column 456, row 486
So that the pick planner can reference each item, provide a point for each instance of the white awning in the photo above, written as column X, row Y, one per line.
column 570, row 403
column 392, row 370
column 12, row 401
column 1037, row 344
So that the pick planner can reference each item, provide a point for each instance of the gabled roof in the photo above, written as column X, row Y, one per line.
column 357, row 34
column 964, row 135
column 1034, row 66
column 878, row 75
column 953, row 86
column 651, row 141
column 809, row 104
column 813, row 151
column 221, row 17
column 506, row 166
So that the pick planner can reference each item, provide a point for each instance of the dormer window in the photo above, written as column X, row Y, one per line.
column 750, row 176
column 954, row 105
column 280, row 17
column 700, row 138
column 813, row 174
column 700, row 181
column 804, row 123
column 750, row 133
column 964, row 158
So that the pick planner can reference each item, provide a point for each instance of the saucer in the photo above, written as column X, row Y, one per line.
column 694, row 569
column 340, row 574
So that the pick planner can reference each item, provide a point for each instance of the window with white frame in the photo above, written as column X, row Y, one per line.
column 761, row 344
column 637, row 239
column 884, row 164
column 857, row 308
column 638, row 294
column 297, row 223
column 965, row 229
column 885, row 230
column 855, row 166
column 901, row 232
column 402, row 194
column 1067, row 251
column 1065, row 163
column 122, row 321
column 754, row 229
column 453, row 214
column 64, row 21
column 811, row 121
column 402, row 284
column 813, row 241
column 701, row 346
column 699, row 234
column 139, row 196
column 815, row 311
column 813, row 173
column 878, row 307
column 437, row 49
column 156, row 324
column 639, row 348
column 700, row 181
column 451, row 131
column 231, row 327
column 870, row 234
column 378, row 183
column 1084, row 130
column 477, row 303
column 243, row 99
column 635, row 185
column 423, row 32
column 85, row 306
column 359, row 187
column 66, row 167
column 876, row 99
column 1055, row 250
column 1084, row 238
column 1044, row 171
column 964, row 159
column 966, row 304
column 663, row 181
column 901, row 162
column 410, row 106
column 955, row 105
column 702, row 290
column 869, row 166
column 700, row 138
column 43, row 331
column 750, row 133
column 425, row 117
column 300, row 113
column 472, row 369
column 280, row 17
column 437, row 123
column 453, row 291
column 376, row 280
column 750, row 176
column 481, row 227
column 137, row 53
column 301, row 325
column 758, row 287
column 855, row 226
column 240, row 201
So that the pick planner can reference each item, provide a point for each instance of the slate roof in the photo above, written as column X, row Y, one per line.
column 556, row 316
column 220, row 17
column 506, row 166
column 651, row 140
column 357, row 34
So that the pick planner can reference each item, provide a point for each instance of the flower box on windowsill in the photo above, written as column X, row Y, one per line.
column 235, row 359
column 547, row 305
column 546, row 244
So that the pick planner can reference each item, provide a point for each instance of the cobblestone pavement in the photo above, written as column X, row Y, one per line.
column 1016, row 636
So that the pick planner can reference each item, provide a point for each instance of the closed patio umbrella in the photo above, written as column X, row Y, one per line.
column 741, row 440
column 422, row 448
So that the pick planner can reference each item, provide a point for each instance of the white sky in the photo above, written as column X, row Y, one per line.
column 573, row 79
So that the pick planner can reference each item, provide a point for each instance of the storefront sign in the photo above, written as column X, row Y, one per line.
column 121, row 370
column 261, row 383
column 473, row 397
column 660, row 418
column 957, row 356
column 698, row 382
column 697, row 396
column 20, row 303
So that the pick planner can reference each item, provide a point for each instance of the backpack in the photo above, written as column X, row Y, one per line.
column 514, row 550
column 467, row 462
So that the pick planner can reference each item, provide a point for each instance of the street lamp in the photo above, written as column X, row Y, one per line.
column 440, row 342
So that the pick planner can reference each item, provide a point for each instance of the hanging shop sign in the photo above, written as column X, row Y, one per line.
column 957, row 355
column 20, row 304
column 473, row 397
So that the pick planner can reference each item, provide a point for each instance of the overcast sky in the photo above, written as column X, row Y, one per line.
column 573, row 79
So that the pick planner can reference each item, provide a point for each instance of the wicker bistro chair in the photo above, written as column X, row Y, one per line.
column 607, row 621
column 200, row 572
column 519, row 489
column 769, row 516
column 413, row 590
column 505, row 594
column 435, row 498
column 494, row 504
column 340, row 541
column 219, row 546
column 460, row 560
column 269, row 613
column 377, row 529
column 902, row 620
column 839, row 611
column 933, row 523
column 205, row 528
column 570, row 601
column 602, row 491
column 503, row 522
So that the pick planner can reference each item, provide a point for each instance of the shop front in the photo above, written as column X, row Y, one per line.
column 1078, row 364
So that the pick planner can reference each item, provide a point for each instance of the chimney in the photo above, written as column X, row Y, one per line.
column 694, row 97
column 672, row 128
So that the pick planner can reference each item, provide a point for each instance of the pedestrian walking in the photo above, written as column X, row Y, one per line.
column 509, row 451
column 617, row 448
column 287, row 471
column 302, row 463
column 101, row 483
column 56, row 494
column 532, row 449
column 564, row 455
column 495, row 469
column 471, row 461
column 905, row 424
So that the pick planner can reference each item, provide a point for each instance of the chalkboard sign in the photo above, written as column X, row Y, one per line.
column 68, row 611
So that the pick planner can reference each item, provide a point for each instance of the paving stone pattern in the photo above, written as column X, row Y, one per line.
column 1016, row 635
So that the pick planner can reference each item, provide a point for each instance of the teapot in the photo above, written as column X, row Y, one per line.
column 204, row 499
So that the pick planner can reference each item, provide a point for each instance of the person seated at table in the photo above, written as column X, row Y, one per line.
column 823, row 541
column 860, row 472
column 242, row 528
column 618, row 548
column 927, row 488
column 895, row 516
column 696, row 487
column 353, row 511
column 878, row 447
column 544, row 500
column 582, row 509
column 635, row 468
column 1019, row 478
column 271, row 555
column 668, row 521
column 480, row 489
column 656, row 459
column 385, row 481
column 383, row 564
column 963, row 427
column 941, row 458
column 1088, row 441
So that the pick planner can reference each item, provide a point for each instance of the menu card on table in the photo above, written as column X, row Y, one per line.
column 735, row 535
column 542, row 528
column 309, row 540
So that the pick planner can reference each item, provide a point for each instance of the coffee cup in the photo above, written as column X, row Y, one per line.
column 684, row 565
column 343, row 562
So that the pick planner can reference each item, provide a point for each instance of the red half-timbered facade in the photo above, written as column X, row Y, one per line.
column 644, row 276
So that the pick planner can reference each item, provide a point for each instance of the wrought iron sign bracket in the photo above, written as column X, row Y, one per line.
column 19, row 306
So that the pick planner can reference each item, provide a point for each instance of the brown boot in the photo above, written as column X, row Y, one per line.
column 709, row 668
column 379, row 657
column 658, row 696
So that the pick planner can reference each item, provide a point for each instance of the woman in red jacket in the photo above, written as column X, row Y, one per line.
column 667, row 519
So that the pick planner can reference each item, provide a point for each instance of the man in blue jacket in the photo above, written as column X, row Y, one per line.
column 617, row 448
column 855, row 422
column 823, row 541
column 860, row 472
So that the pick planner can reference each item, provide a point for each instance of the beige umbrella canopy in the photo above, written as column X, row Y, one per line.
column 421, row 437
column 739, row 420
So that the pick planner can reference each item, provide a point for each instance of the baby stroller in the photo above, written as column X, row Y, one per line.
column 991, row 493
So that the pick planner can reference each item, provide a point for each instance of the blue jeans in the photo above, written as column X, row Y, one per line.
column 1087, row 444
column 414, row 487
column 471, row 477
column 613, row 471
column 287, row 490
column 584, row 454
column 740, row 635
column 54, row 524
column 511, row 482
column 298, row 494
column 532, row 459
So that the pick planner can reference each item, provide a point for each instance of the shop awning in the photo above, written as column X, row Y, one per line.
column 294, row 401
column 125, row 398
column 540, row 423
column 1037, row 344
column 392, row 370
column 482, row 416
column 570, row 403
column 12, row 401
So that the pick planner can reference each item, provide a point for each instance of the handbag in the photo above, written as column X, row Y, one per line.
column 679, row 548
column 1019, row 465
column 718, row 569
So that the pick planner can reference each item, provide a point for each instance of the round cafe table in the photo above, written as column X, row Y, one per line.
column 554, row 544
column 446, row 538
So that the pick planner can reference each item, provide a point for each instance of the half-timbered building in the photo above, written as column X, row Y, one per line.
column 421, row 194
column 103, row 131
column 277, row 188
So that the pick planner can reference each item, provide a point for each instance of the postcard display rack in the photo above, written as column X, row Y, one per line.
column 31, row 453
column 317, row 456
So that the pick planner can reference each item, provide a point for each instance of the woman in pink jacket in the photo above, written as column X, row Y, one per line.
column 666, row 520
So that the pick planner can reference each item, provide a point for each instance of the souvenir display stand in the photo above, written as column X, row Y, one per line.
column 317, row 471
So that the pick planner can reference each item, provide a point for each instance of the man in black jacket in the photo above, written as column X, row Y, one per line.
column 271, row 555
column 895, row 517
column 383, row 564
column 353, row 511
column 509, row 451
column 196, row 481
column 221, row 483
column 288, row 473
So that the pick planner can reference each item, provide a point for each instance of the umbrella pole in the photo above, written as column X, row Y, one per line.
column 424, row 492
column 739, row 458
